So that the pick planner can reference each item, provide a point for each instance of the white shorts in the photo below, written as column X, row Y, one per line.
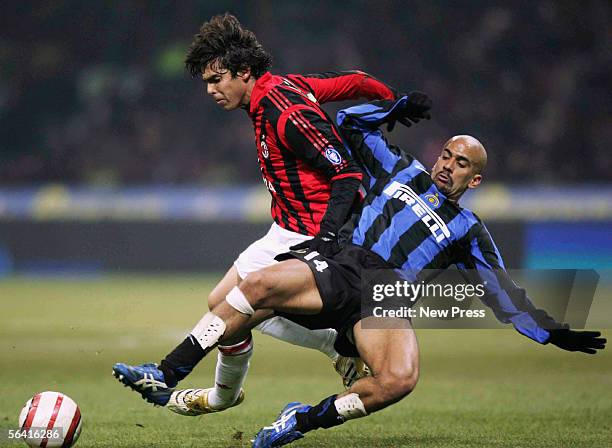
column 261, row 253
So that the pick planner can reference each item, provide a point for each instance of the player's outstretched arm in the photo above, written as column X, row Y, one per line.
column 511, row 304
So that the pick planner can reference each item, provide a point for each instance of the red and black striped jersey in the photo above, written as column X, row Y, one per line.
column 300, row 151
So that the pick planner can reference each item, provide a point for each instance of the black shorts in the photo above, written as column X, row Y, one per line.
column 339, row 281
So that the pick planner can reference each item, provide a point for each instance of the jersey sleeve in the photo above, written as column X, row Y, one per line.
column 346, row 85
column 360, row 128
column 312, row 137
column 508, row 301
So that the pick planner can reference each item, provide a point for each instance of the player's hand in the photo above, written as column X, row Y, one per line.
column 577, row 341
column 326, row 243
column 413, row 110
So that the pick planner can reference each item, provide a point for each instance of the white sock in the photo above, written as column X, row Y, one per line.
column 288, row 331
column 232, row 368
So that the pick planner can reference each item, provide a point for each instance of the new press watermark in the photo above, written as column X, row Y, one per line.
column 39, row 433
column 482, row 298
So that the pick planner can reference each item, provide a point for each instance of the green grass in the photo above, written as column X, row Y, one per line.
column 480, row 388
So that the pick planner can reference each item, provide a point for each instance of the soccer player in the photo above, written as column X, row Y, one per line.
column 311, row 177
column 400, row 229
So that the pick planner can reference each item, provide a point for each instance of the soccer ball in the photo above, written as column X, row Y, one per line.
column 50, row 419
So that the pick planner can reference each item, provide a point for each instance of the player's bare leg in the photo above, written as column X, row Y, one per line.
column 287, row 287
column 392, row 355
column 389, row 347
column 278, row 328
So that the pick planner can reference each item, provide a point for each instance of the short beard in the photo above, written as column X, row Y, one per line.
column 444, row 188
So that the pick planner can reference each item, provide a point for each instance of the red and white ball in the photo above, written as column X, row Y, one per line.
column 50, row 410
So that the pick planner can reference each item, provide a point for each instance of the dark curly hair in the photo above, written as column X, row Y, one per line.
column 223, row 41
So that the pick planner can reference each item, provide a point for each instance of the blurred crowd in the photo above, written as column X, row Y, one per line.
column 95, row 92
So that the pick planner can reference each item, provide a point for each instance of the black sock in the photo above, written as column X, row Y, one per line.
column 180, row 362
column 323, row 415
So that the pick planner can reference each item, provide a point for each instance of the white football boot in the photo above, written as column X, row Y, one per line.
column 194, row 402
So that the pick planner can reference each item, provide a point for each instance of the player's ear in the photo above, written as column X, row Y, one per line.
column 245, row 74
column 476, row 180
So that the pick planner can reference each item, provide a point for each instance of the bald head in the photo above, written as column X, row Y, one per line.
column 459, row 166
column 471, row 148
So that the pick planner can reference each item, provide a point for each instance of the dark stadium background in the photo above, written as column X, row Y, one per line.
column 112, row 158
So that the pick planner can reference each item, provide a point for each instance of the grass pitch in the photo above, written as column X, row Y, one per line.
column 480, row 388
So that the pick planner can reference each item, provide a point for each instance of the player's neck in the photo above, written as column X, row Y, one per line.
column 454, row 199
column 246, row 99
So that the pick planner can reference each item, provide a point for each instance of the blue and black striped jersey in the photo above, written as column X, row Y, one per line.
column 409, row 223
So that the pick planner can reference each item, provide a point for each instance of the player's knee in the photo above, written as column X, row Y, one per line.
column 396, row 383
column 257, row 287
